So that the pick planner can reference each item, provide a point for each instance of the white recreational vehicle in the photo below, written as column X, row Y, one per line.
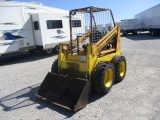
column 32, row 26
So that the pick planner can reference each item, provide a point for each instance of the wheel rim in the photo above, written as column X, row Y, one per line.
column 108, row 77
column 122, row 68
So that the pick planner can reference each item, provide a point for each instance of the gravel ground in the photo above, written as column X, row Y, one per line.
column 137, row 97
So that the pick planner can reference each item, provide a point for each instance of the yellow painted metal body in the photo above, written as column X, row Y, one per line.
column 86, row 63
column 69, row 86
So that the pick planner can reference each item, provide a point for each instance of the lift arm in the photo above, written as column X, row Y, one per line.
column 97, row 47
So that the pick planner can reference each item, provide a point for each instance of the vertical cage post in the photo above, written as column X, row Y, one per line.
column 70, row 23
column 112, row 17
column 78, row 44
column 91, row 24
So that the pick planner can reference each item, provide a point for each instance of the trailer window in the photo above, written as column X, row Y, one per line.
column 76, row 23
column 36, row 25
column 53, row 24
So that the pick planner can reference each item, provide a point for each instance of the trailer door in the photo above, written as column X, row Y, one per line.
column 37, row 30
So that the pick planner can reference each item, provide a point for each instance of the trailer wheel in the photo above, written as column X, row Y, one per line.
column 56, row 48
column 124, row 34
column 103, row 77
column 120, row 67
column 153, row 32
column 48, row 51
column 54, row 68
column 32, row 51
column 134, row 33
column 150, row 32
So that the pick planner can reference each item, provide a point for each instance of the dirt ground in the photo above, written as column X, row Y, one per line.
column 137, row 97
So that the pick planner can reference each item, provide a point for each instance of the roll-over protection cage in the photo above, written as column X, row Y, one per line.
column 91, row 22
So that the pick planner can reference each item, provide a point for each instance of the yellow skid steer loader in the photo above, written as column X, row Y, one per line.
column 92, row 59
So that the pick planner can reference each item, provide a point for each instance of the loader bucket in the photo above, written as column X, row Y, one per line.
column 67, row 92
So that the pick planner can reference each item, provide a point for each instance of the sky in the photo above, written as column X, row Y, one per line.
column 122, row 9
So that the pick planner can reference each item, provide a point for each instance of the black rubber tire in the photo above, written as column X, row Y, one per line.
column 153, row 33
column 124, row 34
column 99, row 77
column 134, row 33
column 48, row 51
column 150, row 32
column 32, row 51
column 54, row 68
column 117, row 60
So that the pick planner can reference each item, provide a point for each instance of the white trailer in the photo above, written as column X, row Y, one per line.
column 129, row 26
column 149, row 20
column 32, row 26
